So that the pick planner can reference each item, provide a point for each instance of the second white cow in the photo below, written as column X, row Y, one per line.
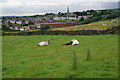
column 75, row 42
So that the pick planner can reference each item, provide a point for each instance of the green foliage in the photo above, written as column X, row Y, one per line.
column 5, row 28
column 24, row 25
column 30, row 23
column 95, row 19
column 112, row 16
column 86, row 21
column 44, row 27
column 95, row 14
column 81, row 19
column 49, row 14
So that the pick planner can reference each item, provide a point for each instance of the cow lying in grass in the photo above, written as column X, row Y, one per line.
column 73, row 42
column 68, row 43
column 43, row 43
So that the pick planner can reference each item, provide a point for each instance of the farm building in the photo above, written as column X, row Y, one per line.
column 25, row 28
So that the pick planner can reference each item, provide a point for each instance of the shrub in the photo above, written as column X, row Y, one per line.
column 45, row 27
column 5, row 28
column 86, row 21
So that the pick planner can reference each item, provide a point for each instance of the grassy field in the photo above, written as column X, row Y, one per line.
column 92, row 26
column 22, row 58
column 0, row 57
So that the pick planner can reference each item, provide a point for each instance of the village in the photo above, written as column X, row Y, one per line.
column 52, row 20
column 31, row 23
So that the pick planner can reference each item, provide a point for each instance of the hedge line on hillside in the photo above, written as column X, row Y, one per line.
column 114, row 30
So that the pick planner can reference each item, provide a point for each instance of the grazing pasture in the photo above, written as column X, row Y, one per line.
column 100, row 25
column 95, row 57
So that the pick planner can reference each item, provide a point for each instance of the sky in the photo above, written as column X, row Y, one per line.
column 33, row 7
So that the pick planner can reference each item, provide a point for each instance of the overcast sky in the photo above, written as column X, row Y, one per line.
column 33, row 7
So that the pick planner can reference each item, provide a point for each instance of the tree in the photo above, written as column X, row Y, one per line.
column 49, row 14
column 92, row 10
column 111, row 16
column 86, row 21
column 95, row 13
column 59, row 14
column 62, row 14
column 5, row 28
column 94, row 19
column 24, row 24
column 31, row 23
column 82, row 19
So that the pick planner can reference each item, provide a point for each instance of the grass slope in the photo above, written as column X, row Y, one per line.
column 92, row 26
column 22, row 58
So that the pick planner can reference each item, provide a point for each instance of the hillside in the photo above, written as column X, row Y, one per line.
column 101, row 25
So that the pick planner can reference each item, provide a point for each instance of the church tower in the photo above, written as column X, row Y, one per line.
column 68, row 13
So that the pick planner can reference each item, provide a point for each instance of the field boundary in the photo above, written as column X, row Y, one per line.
column 113, row 30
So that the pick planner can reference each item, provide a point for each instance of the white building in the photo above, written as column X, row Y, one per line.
column 18, row 22
column 64, row 18
column 85, row 16
column 59, row 18
column 25, row 28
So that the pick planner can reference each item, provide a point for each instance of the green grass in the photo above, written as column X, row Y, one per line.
column 0, row 57
column 22, row 58
column 92, row 26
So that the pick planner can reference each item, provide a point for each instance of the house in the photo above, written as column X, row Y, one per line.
column 64, row 18
column 59, row 18
column 15, row 27
column 26, row 22
column 18, row 22
column 85, row 16
column 48, row 18
column 12, row 21
column 38, row 25
column 24, row 28
column 32, row 27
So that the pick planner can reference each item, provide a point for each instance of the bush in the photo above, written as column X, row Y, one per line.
column 24, row 25
column 5, row 28
column 95, row 19
column 111, row 16
column 45, row 27
column 31, row 23
column 86, row 21
column 81, row 19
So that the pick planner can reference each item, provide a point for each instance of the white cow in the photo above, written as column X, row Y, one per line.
column 75, row 42
column 44, row 43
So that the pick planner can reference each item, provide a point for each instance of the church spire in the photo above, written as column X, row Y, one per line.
column 67, row 12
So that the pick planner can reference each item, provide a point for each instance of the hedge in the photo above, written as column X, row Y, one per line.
column 114, row 30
